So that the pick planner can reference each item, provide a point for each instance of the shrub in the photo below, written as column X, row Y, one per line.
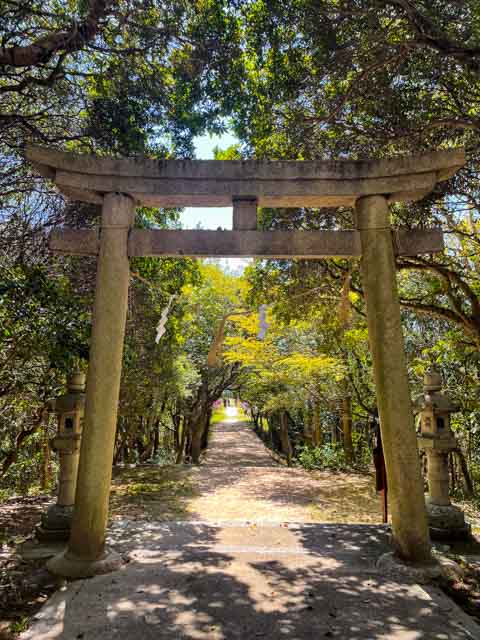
column 328, row 456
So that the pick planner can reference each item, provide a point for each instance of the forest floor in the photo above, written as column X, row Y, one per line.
column 240, row 495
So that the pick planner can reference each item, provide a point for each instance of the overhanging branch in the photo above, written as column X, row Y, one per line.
column 42, row 50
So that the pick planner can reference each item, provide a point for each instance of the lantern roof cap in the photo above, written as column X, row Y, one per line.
column 433, row 396
column 70, row 402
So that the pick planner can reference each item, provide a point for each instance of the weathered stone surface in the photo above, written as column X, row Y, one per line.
column 271, row 244
column 58, row 516
column 55, row 524
column 435, row 407
column 391, row 565
column 40, row 550
column 438, row 478
column 279, row 244
column 408, row 242
column 218, row 182
column 220, row 577
column 299, row 582
column 241, row 169
column 81, row 242
column 447, row 522
column 69, row 565
column 244, row 213
column 405, row 483
column 83, row 195
column 436, row 444
column 270, row 193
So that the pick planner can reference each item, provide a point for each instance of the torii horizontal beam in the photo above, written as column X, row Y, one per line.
column 163, row 183
column 258, row 244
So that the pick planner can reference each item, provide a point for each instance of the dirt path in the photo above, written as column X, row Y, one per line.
column 240, row 481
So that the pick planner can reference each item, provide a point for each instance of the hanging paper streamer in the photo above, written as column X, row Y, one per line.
column 163, row 320
column 262, row 315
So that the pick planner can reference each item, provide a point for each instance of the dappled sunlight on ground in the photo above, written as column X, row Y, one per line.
column 160, row 493
column 240, row 480
column 233, row 550
column 201, row 582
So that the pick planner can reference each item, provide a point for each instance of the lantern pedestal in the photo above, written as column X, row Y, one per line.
column 55, row 524
column 447, row 522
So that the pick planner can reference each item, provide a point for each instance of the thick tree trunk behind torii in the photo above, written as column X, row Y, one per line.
column 285, row 438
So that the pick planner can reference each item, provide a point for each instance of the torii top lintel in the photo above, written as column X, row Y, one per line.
column 275, row 183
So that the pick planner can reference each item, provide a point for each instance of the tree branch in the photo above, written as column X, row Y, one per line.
column 42, row 50
column 428, row 34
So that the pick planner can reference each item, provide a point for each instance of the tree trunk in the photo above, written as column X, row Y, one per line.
column 307, row 415
column 156, row 438
column 119, row 445
column 45, row 471
column 347, row 429
column 148, row 439
column 271, row 430
column 470, row 490
column 317, row 439
column 333, row 433
column 183, row 441
column 196, row 442
column 453, row 478
column 177, row 428
column 285, row 438
column 206, row 430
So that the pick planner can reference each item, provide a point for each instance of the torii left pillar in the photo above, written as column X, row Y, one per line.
column 86, row 554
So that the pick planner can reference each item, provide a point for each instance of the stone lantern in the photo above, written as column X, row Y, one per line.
column 437, row 440
column 56, row 522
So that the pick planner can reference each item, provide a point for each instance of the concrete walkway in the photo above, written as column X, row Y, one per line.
column 226, row 577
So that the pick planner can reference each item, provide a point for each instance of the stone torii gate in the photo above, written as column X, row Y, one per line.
column 119, row 185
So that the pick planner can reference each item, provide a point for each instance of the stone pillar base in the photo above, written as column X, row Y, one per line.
column 55, row 524
column 68, row 565
column 390, row 564
column 447, row 522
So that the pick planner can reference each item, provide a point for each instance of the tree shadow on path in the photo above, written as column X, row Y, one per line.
column 240, row 580
column 184, row 582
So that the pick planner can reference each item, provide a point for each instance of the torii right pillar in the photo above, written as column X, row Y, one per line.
column 405, row 483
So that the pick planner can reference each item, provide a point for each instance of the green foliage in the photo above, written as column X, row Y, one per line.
column 231, row 153
column 362, row 453
column 164, row 458
column 327, row 457
column 19, row 625
column 41, row 315
column 133, row 83
column 331, row 456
